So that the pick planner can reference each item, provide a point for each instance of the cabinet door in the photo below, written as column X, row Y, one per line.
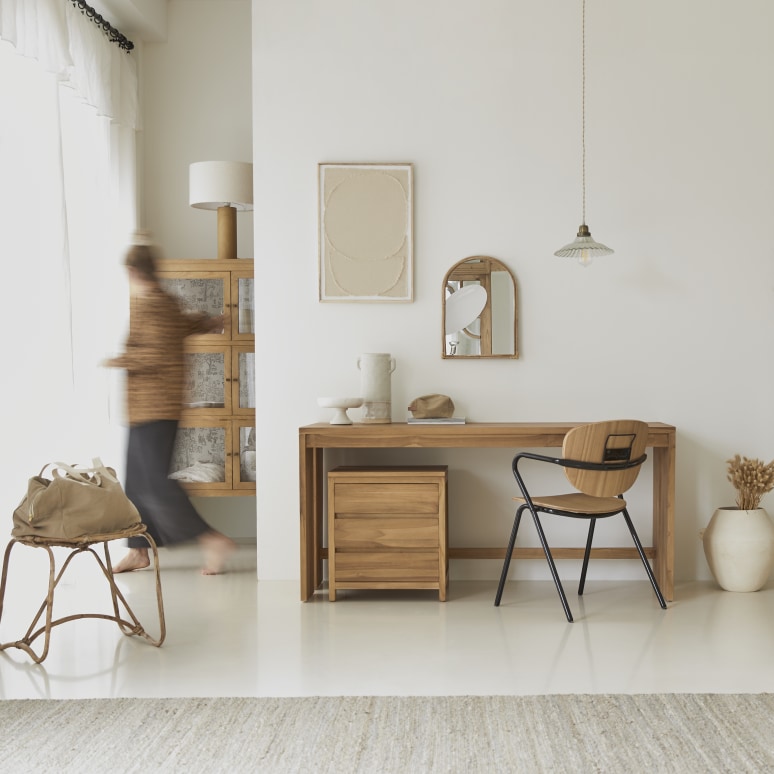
column 244, row 454
column 202, row 459
column 242, row 306
column 243, row 380
column 208, row 379
column 204, row 291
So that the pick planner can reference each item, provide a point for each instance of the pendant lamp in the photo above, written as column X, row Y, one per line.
column 584, row 248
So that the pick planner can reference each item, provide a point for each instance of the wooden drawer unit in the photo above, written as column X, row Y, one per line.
column 387, row 528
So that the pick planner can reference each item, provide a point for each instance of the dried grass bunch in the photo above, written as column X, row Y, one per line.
column 751, row 479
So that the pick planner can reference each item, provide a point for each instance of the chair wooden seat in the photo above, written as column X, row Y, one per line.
column 127, row 621
column 577, row 502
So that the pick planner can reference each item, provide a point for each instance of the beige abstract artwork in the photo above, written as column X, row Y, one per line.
column 366, row 232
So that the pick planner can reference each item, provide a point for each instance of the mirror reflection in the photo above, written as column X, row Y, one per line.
column 480, row 316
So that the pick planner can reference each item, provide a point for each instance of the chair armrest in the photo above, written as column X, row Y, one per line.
column 566, row 462
column 538, row 457
column 582, row 465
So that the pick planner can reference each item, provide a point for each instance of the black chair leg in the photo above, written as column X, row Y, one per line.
column 586, row 556
column 508, row 552
column 645, row 561
column 552, row 566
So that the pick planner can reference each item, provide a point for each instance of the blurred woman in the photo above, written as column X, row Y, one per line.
column 155, row 366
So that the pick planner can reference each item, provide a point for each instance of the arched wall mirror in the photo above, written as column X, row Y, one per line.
column 480, row 309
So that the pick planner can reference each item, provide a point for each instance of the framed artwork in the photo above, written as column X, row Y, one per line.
column 366, row 235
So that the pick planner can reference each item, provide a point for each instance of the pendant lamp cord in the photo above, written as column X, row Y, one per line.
column 583, row 107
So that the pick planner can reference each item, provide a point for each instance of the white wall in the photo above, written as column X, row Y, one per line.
column 484, row 99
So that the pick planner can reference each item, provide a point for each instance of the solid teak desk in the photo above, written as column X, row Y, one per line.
column 315, row 439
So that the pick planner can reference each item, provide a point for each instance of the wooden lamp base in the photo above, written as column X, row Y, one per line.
column 227, row 232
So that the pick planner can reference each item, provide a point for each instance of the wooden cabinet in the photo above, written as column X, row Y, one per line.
column 387, row 528
column 215, row 448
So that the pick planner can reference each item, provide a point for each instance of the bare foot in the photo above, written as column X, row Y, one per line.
column 136, row 559
column 217, row 549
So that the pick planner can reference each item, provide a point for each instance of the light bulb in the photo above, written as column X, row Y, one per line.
column 585, row 258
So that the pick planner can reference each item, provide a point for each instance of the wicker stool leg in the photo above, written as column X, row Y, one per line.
column 159, row 598
column 47, row 606
column 135, row 627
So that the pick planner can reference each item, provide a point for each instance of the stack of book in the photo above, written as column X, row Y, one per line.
column 436, row 421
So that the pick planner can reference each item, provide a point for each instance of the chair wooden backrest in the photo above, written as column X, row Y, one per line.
column 615, row 442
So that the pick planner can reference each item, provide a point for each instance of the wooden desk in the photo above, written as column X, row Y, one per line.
column 315, row 439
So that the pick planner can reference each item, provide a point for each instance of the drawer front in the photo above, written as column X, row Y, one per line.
column 384, row 498
column 405, row 566
column 391, row 532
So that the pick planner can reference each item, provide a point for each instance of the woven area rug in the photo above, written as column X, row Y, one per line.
column 682, row 733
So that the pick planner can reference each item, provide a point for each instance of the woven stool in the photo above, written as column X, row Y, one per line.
column 79, row 546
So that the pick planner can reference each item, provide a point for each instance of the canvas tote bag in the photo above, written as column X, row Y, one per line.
column 74, row 502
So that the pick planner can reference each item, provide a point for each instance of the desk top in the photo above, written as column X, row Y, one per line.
column 470, row 435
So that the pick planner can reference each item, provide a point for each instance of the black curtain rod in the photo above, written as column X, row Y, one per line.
column 115, row 36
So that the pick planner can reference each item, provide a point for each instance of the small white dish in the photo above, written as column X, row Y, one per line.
column 340, row 405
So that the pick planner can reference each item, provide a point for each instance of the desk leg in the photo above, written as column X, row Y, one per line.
column 308, row 522
column 318, row 514
column 664, row 517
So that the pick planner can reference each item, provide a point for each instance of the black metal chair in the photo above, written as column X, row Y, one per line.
column 602, row 461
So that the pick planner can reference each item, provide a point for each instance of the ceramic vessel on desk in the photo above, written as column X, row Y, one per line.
column 375, row 377
column 340, row 405
column 739, row 546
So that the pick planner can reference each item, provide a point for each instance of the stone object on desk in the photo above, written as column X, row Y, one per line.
column 340, row 405
column 432, row 406
column 436, row 420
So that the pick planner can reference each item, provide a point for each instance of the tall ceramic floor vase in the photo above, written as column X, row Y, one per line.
column 739, row 546
column 376, row 389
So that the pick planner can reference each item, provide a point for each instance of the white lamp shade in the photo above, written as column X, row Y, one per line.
column 214, row 184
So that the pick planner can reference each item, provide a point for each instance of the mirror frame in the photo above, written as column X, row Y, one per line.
column 474, row 272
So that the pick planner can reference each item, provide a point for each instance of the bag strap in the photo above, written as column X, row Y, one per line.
column 71, row 471
column 55, row 472
column 104, row 471
column 93, row 475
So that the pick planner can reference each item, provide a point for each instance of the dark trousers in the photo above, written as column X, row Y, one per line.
column 163, row 504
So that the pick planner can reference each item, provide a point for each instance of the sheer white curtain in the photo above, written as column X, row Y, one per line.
column 68, row 108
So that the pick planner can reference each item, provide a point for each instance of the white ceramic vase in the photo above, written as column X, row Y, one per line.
column 739, row 546
column 375, row 380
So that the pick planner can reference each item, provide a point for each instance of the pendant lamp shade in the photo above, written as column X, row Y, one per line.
column 584, row 248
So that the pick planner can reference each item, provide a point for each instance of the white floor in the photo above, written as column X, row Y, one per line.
column 231, row 635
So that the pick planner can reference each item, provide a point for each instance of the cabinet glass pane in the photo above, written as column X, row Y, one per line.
column 247, row 380
column 205, row 385
column 247, row 454
column 198, row 294
column 199, row 454
column 246, row 308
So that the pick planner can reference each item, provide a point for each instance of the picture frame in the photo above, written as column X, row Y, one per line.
column 366, row 232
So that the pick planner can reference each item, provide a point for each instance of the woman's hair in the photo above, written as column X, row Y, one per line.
column 142, row 258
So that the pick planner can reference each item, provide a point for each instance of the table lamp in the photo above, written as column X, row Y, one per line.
column 225, row 186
